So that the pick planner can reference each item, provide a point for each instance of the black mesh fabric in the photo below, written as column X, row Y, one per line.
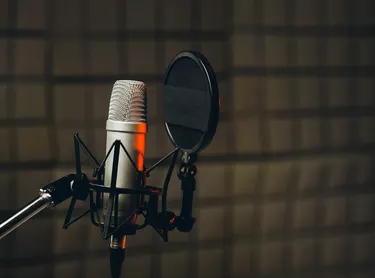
column 186, row 107
column 187, row 102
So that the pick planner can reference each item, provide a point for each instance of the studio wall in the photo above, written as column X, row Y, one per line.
column 286, row 189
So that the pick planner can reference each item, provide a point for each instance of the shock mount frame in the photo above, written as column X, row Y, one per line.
column 162, row 222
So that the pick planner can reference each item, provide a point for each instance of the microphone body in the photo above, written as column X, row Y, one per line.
column 133, row 137
column 127, row 123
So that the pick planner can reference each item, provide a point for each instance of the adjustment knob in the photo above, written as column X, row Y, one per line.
column 170, row 222
column 185, row 224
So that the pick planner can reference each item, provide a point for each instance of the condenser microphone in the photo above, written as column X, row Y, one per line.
column 127, row 122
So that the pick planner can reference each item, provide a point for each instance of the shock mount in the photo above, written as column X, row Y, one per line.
column 107, row 219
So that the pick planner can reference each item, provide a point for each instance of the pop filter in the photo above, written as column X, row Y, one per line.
column 191, row 102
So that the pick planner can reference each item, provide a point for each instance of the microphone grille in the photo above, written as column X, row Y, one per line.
column 128, row 102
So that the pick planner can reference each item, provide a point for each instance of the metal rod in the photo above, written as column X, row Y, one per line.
column 101, row 166
column 164, row 195
column 130, row 158
column 93, row 161
column 69, row 213
column 108, row 216
column 77, row 154
column 161, row 160
column 24, row 214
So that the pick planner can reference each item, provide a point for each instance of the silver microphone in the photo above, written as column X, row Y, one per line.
column 127, row 122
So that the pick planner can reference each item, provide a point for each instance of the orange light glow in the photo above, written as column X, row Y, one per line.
column 172, row 220
column 139, row 146
column 123, row 243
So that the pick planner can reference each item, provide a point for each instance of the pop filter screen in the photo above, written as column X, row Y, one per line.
column 191, row 101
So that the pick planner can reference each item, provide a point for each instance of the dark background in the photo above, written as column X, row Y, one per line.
column 286, row 189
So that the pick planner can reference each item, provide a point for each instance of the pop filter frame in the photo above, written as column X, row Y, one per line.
column 212, row 91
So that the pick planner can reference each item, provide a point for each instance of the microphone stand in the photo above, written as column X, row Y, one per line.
column 49, row 196
column 34, row 207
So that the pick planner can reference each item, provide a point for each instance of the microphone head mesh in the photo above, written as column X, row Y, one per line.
column 128, row 102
